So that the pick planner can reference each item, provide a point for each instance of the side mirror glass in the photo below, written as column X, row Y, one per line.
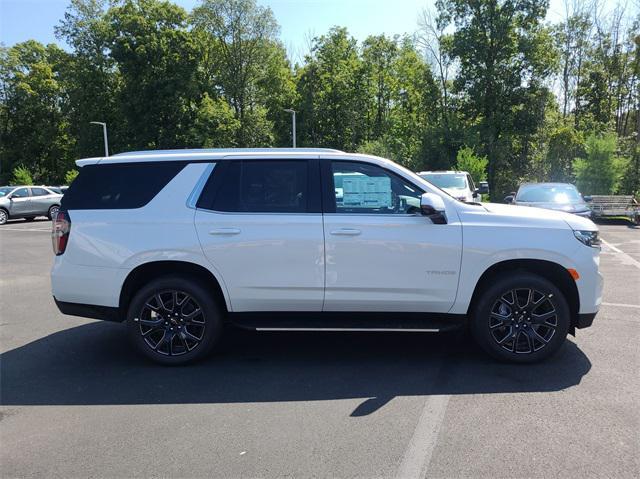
column 433, row 207
column 587, row 198
column 508, row 199
column 483, row 188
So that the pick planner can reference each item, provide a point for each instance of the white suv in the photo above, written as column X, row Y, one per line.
column 179, row 243
column 458, row 184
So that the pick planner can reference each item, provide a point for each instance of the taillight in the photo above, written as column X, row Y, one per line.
column 60, row 232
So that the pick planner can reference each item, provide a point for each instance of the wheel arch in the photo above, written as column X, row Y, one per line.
column 145, row 272
column 554, row 272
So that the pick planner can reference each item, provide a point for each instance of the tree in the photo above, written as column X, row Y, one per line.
column 34, row 129
column 21, row 176
column 89, row 79
column 332, row 92
column 240, row 36
column 565, row 144
column 600, row 171
column 69, row 176
column 155, row 53
column 505, row 55
column 475, row 165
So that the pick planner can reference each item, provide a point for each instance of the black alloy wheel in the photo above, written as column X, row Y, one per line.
column 521, row 317
column 174, row 320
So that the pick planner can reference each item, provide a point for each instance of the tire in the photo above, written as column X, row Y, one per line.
column 4, row 216
column 53, row 211
column 526, row 328
column 164, row 323
column 30, row 218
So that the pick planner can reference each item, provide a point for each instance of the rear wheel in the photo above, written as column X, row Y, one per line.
column 53, row 211
column 174, row 321
column 521, row 318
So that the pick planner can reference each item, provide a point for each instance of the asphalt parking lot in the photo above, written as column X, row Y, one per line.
column 78, row 402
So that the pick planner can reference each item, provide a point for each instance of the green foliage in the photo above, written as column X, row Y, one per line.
column 476, row 82
column 600, row 172
column 505, row 56
column 565, row 144
column 21, row 176
column 69, row 176
column 473, row 164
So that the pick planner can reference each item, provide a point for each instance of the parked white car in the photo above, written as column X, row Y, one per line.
column 177, row 243
column 458, row 184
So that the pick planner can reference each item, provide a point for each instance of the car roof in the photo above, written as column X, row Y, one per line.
column 205, row 154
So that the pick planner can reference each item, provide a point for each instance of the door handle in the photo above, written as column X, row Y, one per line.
column 225, row 231
column 346, row 232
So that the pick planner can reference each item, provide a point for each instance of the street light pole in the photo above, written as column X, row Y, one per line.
column 104, row 134
column 293, row 124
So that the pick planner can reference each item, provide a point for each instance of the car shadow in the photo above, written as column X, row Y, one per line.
column 19, row 221
column 616, row 222
column 93, row 364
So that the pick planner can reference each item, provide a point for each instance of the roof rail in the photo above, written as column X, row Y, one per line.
column 228, row 150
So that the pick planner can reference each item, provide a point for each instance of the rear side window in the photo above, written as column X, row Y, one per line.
column 39, row 192
column 262, row 186
column 118, row 186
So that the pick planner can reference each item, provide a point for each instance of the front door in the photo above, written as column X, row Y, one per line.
column 381, row 253
column 20, row 202
column 260, row 226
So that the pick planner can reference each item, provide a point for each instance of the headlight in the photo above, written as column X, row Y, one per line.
column 589, row 238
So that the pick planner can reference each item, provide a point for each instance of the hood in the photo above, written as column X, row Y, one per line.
column 456, row 193
column 541, row 215
column 568, row 207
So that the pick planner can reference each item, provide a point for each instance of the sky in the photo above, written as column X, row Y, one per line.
column 299, row 20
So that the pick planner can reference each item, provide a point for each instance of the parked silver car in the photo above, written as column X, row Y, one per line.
column 551, row 196
column 28, row 202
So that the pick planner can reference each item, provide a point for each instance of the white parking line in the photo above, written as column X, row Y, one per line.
column 627, row 259
column 2, row 228
column 417, row 457
column 621, row 305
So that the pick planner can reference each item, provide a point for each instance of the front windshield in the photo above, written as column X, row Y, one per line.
column 454, row 181
column 560, row 194
column 4, row 191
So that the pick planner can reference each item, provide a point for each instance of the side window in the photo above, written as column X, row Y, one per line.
column 39, row 192
column 264, row 186
column 365, row 188
column 20, row 193
column 119, row 185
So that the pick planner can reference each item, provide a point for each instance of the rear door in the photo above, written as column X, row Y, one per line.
column 41, row 200
column 260, row 225
column 381, row 253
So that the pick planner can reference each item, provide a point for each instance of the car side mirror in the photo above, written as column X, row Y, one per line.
column 432, row 206
column 508, row 199
column 587, row 198
column 483, row 188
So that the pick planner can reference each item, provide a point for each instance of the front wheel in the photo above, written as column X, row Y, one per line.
column 4, row 216
column 521, row 318
column 174, row 321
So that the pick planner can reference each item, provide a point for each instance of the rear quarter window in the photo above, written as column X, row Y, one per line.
column 118, row 186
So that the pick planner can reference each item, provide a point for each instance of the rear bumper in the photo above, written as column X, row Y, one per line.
column 585, row 320
column 105, row 313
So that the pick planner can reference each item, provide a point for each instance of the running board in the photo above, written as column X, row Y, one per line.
column 348, row 322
